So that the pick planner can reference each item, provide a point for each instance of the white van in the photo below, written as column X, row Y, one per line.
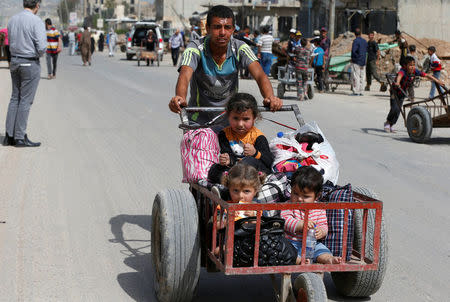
column 138, row 33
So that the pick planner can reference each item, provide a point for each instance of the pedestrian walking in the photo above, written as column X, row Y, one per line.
column 194, row 34
column 318, row 62
column 175, row 42
column 54, row 44
column 72, row 42
column 403, row 45
column 5, row 43
column 373, row 56
column 85, row 43
column 101, row 42
column 265, row 50
column 325, row 41
column 302, row 63
column 436, row 67
column 358, row 63
column 28, row 42
column 112, row 39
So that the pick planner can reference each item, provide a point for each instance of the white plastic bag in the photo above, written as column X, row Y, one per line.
column 323, row 154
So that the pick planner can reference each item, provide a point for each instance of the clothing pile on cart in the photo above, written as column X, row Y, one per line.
column 306, row 146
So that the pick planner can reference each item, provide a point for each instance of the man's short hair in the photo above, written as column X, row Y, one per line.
column 265, row 30
column 48, row 21
column 303, row 42
column 220, row 11
column 371, row 32
column 31, row 3
column 357, row 32
column 412, row 47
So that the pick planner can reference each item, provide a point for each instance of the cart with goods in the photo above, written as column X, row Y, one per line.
column 422, row 116
column 142, row 54
column 186, row 236
column 287, row 81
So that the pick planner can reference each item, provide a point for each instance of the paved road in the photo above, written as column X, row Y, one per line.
column 78, row 209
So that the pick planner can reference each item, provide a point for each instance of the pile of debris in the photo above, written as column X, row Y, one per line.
column 343, row 44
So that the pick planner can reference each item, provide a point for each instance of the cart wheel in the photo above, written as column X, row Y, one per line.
column 280, row 90
column 309, row 287
column 327, row 86
column 175, row 245
column 148, row 62
column 158, row 59
column 419, row 124
column 364, row 283
column 310, row 92
column 139, row 61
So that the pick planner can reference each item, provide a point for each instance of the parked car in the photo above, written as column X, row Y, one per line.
column 138, row 34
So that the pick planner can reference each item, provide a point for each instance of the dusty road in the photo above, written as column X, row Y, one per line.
column 78, row 209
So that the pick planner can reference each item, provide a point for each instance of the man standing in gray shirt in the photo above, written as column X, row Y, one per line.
column 28, row 42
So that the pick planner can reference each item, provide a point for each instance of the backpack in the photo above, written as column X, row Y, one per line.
column 199, row 151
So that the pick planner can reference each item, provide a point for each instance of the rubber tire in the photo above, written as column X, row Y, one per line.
column 175, row 245
column 158, row 59
column 129, row 57
column 310, row 91
column 274, row 70
column 419, row 119
column 148, row 62
column 139, row 62
column 364, row 283
column 312, row 288
column 280, row 90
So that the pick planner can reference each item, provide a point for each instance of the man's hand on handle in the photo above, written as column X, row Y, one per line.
column 176, row 103
column 273, row 102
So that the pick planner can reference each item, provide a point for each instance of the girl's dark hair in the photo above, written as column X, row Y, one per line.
column 307, row 177
column 432, row 48
column 241, row 102
column 243, row 175
column 220, row 11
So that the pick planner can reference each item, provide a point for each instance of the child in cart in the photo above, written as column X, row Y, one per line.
column 243, row 183
column 241, row 142
column 306, row 186
column 404, row 80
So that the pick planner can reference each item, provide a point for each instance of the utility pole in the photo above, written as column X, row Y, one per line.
column 139, row 10
column 332, row 19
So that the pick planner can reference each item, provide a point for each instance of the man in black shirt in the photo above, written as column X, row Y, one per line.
column 373, row 55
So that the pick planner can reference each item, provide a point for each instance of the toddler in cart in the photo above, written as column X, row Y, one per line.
column 306, row 186
column 243, row 183
column 242, row 142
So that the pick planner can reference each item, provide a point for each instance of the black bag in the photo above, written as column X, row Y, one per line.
column 274, row 248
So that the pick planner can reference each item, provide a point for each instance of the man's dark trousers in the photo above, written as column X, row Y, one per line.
column 371, row 70
column 175, row 53
column 25, row 76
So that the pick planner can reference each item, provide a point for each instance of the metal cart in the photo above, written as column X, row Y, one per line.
column 183, row 239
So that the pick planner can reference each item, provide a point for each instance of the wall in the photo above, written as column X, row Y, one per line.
column 425, row 19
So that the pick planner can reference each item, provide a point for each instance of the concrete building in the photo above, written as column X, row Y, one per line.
column 280, row 14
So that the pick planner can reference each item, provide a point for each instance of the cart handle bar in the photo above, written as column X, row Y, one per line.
column 185, row 110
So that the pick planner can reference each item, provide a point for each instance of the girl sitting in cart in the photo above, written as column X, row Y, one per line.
column 242, row 142
column 243, row 183
column 306, row 184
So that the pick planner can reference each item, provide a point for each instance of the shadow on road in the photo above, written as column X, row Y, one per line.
column 431, row 141
column 138, row 285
